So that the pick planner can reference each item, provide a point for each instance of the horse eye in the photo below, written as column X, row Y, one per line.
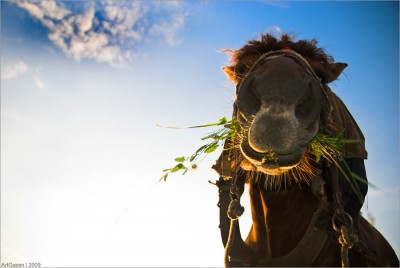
column 306, row 105
column 240, row 69
column 248, row 103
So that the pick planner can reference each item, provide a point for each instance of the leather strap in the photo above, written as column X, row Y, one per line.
column 309, row 247
column 304, row 254
column 238, row 249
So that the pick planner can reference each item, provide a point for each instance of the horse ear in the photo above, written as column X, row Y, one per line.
column 230, row 72
column 334, row 71
column 337, row 69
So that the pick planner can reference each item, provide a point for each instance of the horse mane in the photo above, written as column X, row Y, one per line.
column 268, row 42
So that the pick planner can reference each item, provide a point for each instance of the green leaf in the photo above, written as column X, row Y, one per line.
column 345, row 141
column 180, row 159
column 172, row 127
column 211, row 148
column 222, row 121
column 164, row 177
column 202, row 148
column 363, row 180
column 193, row 157
column 230, row 130
column 178, row 167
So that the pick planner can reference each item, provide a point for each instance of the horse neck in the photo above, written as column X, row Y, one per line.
column 280, row 219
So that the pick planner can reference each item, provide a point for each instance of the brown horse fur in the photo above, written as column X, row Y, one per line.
column 281, row 215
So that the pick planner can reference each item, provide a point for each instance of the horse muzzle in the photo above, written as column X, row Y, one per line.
column 271, row 162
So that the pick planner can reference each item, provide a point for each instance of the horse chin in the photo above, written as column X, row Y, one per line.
column 274, row 171
column 272, row 163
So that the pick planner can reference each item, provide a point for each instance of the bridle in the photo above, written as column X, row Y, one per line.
column 283, row 53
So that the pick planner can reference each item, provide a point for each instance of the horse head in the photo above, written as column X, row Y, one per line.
column 278, row 106
column 281, row 104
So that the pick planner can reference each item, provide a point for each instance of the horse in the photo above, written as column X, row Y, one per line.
column 305, row 208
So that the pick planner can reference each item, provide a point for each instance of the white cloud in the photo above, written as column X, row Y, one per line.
column 106, row 31
column 32, row 8
column 13, row 70
column 85, row 21
column 124, row 23
column 51, row 9
column 39, row 83
column 276, row 30
column 170, row 29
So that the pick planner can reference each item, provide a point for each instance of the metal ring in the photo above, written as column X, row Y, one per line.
column 350, row 220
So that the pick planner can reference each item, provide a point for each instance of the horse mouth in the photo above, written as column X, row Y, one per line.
column 270, row 162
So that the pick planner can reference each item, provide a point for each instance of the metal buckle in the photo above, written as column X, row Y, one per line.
column 346, row 219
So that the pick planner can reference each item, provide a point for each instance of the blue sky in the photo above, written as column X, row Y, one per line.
column 83, row 85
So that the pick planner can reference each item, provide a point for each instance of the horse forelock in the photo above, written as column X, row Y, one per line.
column 316, row 56
column 307, row 48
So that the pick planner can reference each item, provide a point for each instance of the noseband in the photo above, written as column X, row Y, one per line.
column 285, row 53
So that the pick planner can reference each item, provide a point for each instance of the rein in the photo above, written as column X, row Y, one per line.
column 235, row 210
column 347, row 236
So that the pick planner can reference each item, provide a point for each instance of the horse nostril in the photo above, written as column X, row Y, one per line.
column 258, row 137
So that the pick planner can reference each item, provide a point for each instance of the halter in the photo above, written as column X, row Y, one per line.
column 286, row 53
